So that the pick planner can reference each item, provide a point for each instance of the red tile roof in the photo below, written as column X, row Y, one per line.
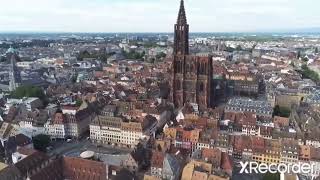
column 157, row 159
column 59, row 118
column 81, row 169
column 26, row 151
column 212, row 155
column 258, row 144
column 226, row 163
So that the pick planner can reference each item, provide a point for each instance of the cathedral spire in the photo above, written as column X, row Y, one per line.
column 181, row 32
column 182, row 19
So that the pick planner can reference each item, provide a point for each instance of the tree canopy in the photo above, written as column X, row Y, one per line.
column 161, row 55
column 239, row 48
column 133, row 55
column 281, row 111
column 28, row 91
column 41, row 142
column 270, row 176
column 102, row 55
column 78, row 102
column 308, row 73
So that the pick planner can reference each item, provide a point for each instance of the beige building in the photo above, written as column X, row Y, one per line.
column 106, row 130
column 115, row 131
column 7, row 130
column 131, row 133
column 56, row 129
column 289, row 151
column 287, row 100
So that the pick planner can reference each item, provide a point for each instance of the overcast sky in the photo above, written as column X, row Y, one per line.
column 157, row 15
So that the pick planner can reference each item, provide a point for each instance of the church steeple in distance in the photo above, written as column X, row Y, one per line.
column 181, row 32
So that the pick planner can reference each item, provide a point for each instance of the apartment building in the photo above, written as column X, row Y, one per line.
column 117, row 131
column 289, row 151
column 106, row 130
column 133, row 132
column 71, row 125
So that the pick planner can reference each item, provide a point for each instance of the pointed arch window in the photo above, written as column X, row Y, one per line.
column 178, row 85
column 201, row 87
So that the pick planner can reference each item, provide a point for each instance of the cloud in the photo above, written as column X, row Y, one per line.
column 156, row 15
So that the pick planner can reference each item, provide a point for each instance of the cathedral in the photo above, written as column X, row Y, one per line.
column 191, row 74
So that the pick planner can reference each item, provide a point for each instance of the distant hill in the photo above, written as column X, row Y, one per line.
column 314, row 30
column 307, row 30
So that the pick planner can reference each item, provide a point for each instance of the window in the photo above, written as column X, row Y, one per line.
column 201, row 87
column 178, row 85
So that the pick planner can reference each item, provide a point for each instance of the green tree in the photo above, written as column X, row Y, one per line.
column 78, row 102
column 270, row 176
column 84, row 54
column 41, row 142
column 133, row 54
column 308, row 73
column 161, row 55
column 101, row 55
column 281, row 111
column 150, row 44
column 28, row 91
column 239, row 48
column 305, row 59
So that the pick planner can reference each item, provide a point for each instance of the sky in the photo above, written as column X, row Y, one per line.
column 157, row 15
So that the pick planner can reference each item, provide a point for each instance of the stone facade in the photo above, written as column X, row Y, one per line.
column 191, row 74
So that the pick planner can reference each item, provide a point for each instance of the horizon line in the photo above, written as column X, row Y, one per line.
column 150, row 32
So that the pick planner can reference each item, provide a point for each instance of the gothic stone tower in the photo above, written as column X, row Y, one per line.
column 181, row 33
column 191, row 74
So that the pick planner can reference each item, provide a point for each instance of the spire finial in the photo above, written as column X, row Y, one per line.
column 182, row 19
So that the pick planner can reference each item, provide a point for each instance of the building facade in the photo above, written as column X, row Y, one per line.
column 106, row 130
column 115, row 131
column 68, row 125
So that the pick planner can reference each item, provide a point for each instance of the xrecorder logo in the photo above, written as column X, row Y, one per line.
column 297, row 168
